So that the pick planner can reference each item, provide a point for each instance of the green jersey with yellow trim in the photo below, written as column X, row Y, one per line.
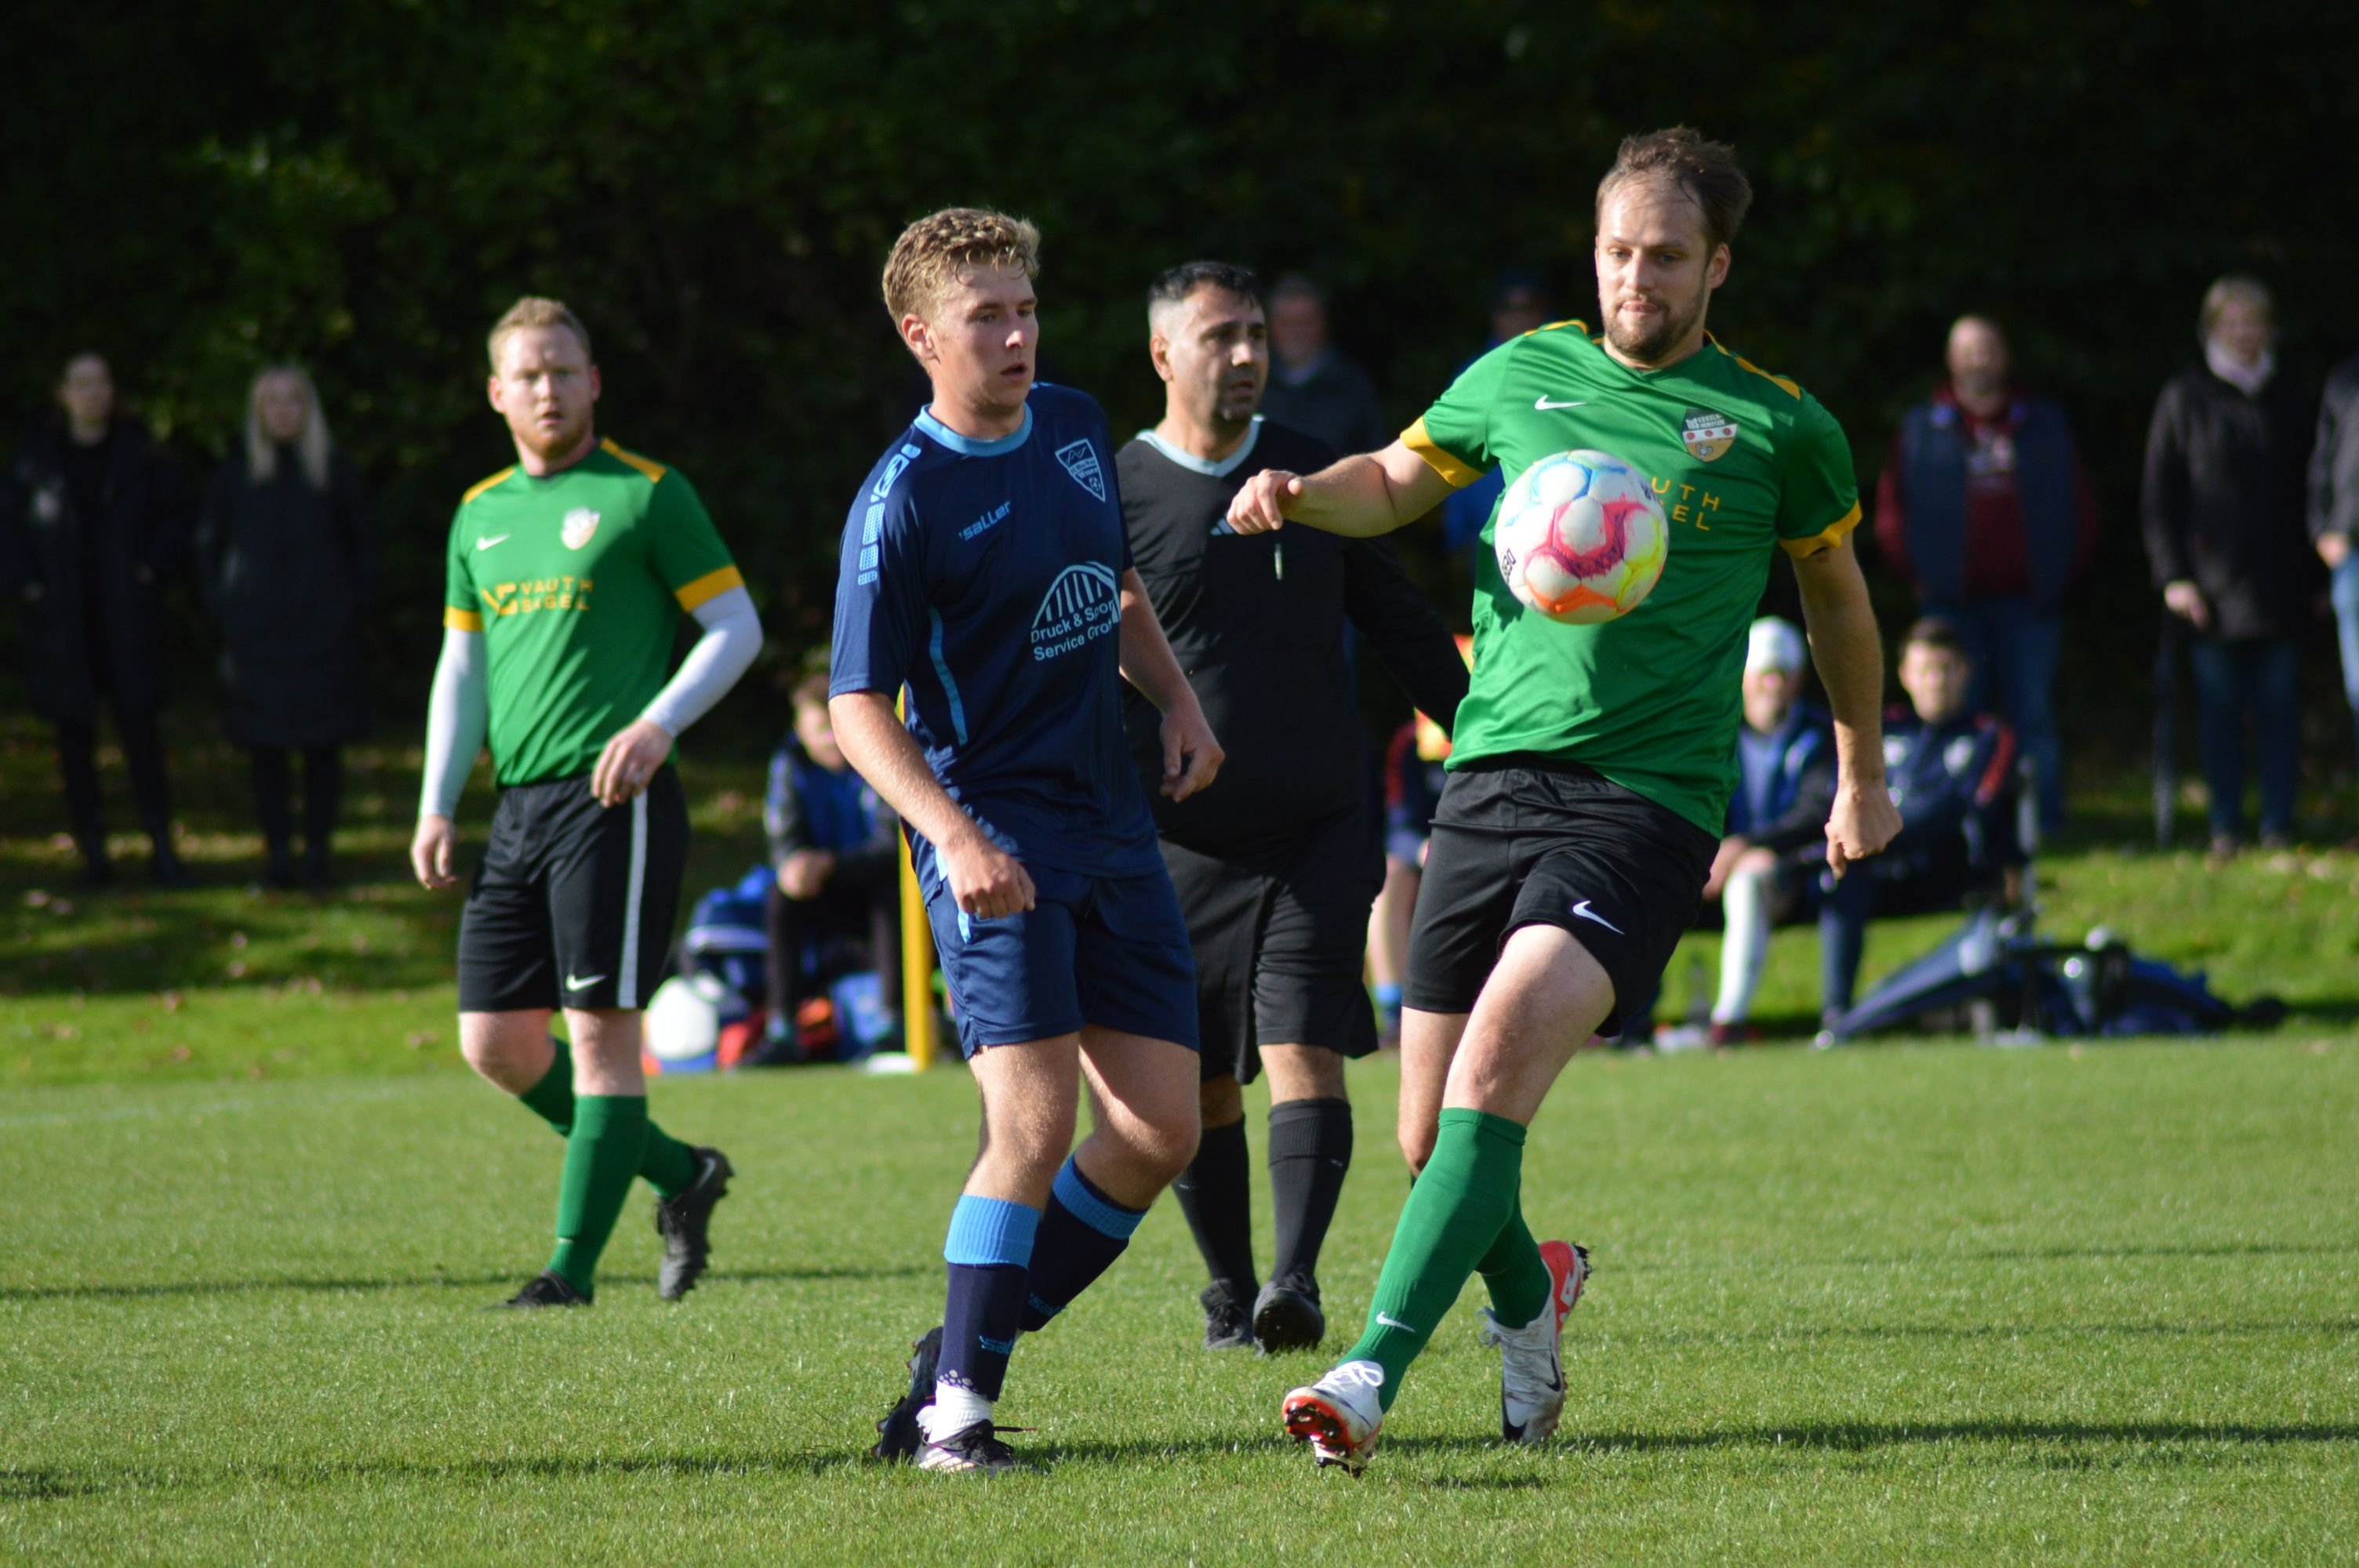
column 1738, row 458
column 576, row 581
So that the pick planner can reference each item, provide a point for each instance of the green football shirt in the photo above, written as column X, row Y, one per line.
column 577, row 582
column 1739, row 459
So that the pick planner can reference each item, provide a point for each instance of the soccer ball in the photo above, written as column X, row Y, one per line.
column 1581, row 537
column 684, row 1022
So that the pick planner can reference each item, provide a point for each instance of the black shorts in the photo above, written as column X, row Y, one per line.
column 1282, row 938
column 574, row 901
column 1528, row 841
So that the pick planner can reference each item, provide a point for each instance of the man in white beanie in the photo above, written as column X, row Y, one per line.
column 1775, row 844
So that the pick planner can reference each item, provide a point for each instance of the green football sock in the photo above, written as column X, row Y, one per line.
column 602, row 1159
column 1465, row 1196
column 668, row 1165
column 1513, row 1271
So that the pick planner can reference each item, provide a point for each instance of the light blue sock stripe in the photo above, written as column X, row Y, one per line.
column 1105, row 1218
column 989, row 1232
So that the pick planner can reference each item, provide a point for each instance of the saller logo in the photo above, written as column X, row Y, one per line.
column 1081, row 460
column 580, row 523
column 1707, row 434
column 1083, row 604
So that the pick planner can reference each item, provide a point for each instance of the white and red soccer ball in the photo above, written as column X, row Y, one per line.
column 1581, row 537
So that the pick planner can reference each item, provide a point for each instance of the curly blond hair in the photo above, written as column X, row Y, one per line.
column 932, row 252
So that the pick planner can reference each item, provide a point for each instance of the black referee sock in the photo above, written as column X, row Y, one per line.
column 1310, row 1152
column 1215, row 1191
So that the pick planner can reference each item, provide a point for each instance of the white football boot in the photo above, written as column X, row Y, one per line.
column 1531, row 1373
column 1338, row 1415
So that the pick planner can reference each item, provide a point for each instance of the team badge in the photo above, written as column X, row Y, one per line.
column 1707, row 434
column 1081, row 460
column 580, row 523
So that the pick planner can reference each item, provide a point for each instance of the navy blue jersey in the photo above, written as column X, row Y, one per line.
column 985, row 575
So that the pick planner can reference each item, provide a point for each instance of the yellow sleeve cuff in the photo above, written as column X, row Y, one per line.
column 1457, row 475
column 1826, row 538
column 712, row 584
column 461, row 620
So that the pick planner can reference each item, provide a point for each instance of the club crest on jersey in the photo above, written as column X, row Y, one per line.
column 580, row 523
column 1081, row 460
column 1708, row 434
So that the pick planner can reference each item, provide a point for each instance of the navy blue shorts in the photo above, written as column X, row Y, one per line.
column 1110, row 951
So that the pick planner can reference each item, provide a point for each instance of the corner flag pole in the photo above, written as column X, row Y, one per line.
column 917, row 960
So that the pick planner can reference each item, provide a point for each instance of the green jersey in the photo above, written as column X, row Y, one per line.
column 577, row 582
column 1737, row 457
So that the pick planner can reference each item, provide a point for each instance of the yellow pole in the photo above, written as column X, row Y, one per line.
column 917, row 961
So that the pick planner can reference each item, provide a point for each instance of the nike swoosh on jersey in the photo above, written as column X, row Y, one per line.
column 585, row 982
column 1543, row 405
column 1585, row 912
column 483, row 544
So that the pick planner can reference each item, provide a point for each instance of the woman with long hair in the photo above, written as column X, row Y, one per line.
column 287, row 550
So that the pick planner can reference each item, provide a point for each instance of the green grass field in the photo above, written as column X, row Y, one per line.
column 1914, row 1301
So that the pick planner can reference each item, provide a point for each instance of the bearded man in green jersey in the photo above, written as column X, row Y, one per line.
column 567, row 574
column 1592, row 765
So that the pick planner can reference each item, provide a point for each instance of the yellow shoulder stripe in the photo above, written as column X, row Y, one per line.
column 711, row 586
column 482, row 485
column 1792, row 388
column 461, row 620
column 647, row 466
column 1579, row 327
column 1456, row 473
column 1826, row 538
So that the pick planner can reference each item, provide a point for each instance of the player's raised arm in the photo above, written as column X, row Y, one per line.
column 1359, row 497
column 1191, row 755
column 1849, row 653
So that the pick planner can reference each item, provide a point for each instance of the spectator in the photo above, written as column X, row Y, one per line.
column 97, row 526
column 287, row 555
column 2334, row 512
column 1985, row 510
column 836, row 858
column 1952, row 776
column 1773, row 852
column 2223, row 530
column 1517, row 306
column 1312, row 388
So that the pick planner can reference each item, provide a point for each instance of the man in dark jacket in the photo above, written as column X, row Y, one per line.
column 2224, row 514
column 835, row 864
column 97, row 523
column 1275, row 865
column 1985, row 510
column 1952, row 774
column 1314, row 388
column 2334, row 512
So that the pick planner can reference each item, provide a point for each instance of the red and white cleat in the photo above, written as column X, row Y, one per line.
column 1531, row 1372
column 1338, row 1415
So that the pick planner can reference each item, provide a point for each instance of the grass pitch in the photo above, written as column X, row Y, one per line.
column 1890, row 1305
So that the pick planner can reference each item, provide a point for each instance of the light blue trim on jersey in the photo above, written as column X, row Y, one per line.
column 967, row 446
column 1106, row 1219
column 988, row 1233
column 942, row 669
column 1205, row 466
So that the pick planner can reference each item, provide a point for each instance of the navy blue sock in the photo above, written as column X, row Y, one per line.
column 988, row 1249
column 1081, row 1233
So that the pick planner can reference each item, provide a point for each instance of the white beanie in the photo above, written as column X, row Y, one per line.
column 1774, row 644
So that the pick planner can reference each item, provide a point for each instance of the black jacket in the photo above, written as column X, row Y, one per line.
column 289, row 572
column 1257, row 622
column 2224, row 500
column 88, row 631
column 2335, row 457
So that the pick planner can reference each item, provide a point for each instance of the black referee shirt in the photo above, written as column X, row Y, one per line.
column 1257, row 622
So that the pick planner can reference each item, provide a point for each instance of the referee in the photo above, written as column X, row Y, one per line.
column 567, row 574
column 1275, row 867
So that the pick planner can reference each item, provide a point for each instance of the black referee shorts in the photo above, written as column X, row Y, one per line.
column 574, row 901
column 1531, row 841
column 1281, row 934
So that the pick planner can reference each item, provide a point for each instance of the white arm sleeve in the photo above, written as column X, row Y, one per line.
column 733, row 637
column 456, row 718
